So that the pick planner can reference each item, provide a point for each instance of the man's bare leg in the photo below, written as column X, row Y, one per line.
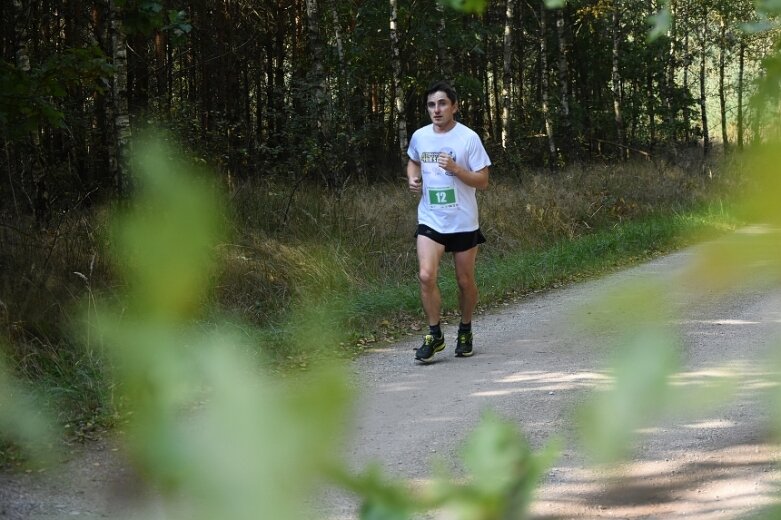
column 429, row 256
column 467, row 286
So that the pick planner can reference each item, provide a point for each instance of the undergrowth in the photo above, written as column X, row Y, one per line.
column 352, row 251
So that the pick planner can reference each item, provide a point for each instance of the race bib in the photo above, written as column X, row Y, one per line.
column 442, row 197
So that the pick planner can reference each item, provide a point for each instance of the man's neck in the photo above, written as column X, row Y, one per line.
column 444, row 129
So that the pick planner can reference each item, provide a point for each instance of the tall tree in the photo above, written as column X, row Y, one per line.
column 545, row 88
column 703, row 78
column 563, row 77
column 119, row 159
column 616, row 79
column 401, row 123
column 722, row 68
column 507, row 71
column 741, row 71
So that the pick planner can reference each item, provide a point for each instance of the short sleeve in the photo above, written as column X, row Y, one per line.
column 478, row 157
column 412, row 150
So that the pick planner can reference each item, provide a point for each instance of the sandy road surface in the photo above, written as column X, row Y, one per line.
column 537, row 368
column 718, row 465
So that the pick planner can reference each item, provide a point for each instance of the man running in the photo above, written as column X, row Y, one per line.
column 448, row 163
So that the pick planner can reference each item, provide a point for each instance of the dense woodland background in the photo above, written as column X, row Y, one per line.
column 330, row 90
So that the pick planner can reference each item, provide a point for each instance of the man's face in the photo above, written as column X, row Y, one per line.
column 441, row 110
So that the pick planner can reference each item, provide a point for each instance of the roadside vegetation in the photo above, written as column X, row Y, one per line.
column 349, row 256
column 206, row 316
column 210, row 393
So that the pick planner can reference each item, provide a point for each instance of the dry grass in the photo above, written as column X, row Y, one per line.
column 291, row 243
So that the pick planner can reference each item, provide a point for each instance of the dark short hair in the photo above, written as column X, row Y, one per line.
column 442, row 86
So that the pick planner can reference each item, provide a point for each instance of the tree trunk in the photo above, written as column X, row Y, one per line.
column 21, row 54
column 722, row 96
column 545, row 89
column 444, row 59
column 651, row 97
column 616, row 81
column 316, row 49
column 741, row 68
column 161, row 76
column 507, row 72
column 517, row 100
column 687, row 116
column 401, row 123
column 670, row 79
column 563, row 69
column 120, row 159
column 703, row 110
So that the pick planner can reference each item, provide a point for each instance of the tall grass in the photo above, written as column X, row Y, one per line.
column 353, row 251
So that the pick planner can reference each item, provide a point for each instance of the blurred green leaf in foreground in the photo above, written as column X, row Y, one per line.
column 214, row 434
column 501, row 473
column 645, row 366
column 23, row 420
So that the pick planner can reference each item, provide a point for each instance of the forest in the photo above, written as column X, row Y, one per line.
column 329, row 91
column 191, row 191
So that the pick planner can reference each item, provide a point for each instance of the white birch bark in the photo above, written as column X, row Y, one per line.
column 119, row 159
column 401, row 123
column 546, row 87
column 507, row 72
column 563, row 70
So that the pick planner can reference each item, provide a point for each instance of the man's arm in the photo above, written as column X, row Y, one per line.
column 478, row 179
column 414, row 180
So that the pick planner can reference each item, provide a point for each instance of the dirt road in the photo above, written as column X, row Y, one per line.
column 533, row 368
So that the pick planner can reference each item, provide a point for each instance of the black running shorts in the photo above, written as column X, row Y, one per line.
column 453, row 242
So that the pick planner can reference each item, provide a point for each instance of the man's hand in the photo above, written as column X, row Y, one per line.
column 414, row 177
column 447, row 163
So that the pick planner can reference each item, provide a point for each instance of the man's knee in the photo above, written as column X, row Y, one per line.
column 466, row 281
column 427, row 277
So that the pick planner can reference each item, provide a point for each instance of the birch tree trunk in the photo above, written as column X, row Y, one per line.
column 316, row 48
column 670, row 79
column 566, row 117
column 119, row 159
column 616, row 81
column 401, row 123
column 686, row 110
column 444, row 59
column 21, row 55
column 741, row 68
column 507, row 72
column 545, row 87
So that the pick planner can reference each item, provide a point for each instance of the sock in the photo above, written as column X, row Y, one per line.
column 435, row 330
column 465, row 327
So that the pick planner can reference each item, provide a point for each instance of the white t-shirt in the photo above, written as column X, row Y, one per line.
column 447, row 205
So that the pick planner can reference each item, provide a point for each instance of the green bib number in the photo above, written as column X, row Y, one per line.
column 441, row 196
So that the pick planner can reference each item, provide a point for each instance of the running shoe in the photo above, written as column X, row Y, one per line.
column 464, row 344
column 431, row 346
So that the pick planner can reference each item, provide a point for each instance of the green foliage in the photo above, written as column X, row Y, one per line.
column 502, row 472
column 467, row 6
column 660, row 22
column 173, row 212
column 147, row 16
column 23, row 419
column 555, row 4
column 207, row 426
column 643, row 369
column 30, row 100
